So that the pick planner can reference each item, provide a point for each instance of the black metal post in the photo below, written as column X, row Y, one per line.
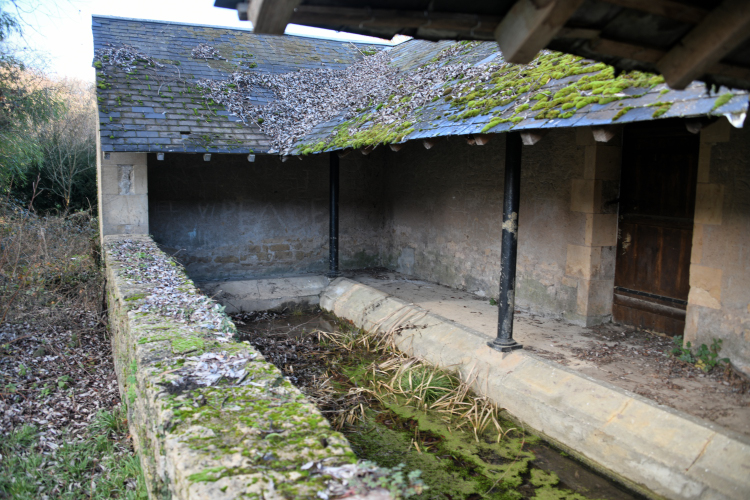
column 333, row 233
column 509, row 251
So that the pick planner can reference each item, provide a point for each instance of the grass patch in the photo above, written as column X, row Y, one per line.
column 100, row 465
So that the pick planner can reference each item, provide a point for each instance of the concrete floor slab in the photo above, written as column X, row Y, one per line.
column 656, row 449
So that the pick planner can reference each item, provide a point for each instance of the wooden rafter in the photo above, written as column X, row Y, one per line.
column 665, row 8
column 653, row 56
column 725, row 27
column 313, row 15
column 530, row 25
column 270, row 17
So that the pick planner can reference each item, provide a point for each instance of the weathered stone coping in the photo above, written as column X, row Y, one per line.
column 656, row 450
column 269, row 294
column 249, row 437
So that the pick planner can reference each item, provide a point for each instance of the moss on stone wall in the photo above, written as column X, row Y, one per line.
column 249, row 436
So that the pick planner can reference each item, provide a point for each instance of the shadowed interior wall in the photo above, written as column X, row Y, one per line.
column 229, row 218
column 444, row 216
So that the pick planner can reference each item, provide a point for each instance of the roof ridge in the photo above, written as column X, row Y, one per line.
column 234, row 28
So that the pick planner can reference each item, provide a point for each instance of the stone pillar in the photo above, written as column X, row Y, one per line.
column 705, row 281
column 123, row 193
column 590, row 265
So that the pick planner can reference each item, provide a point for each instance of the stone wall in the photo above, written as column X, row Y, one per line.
column 434, row 214
column 719, row 300
column 230, row 218
column 250, row 435
column 122, row 183
column 444, row 216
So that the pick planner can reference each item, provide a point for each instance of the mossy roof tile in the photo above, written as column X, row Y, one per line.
column 555, row 90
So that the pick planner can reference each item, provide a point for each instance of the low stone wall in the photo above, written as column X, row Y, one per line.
column 210, row 418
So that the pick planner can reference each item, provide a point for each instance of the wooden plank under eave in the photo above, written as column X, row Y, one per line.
column 649, row 55
column 270, row 17
column 530, row 25
column 725, row 27
column 670, row 9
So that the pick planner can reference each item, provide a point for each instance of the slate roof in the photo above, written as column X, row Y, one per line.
column 441, row 118
column 152, row 108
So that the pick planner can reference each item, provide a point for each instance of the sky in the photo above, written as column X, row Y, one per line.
column 59, row 31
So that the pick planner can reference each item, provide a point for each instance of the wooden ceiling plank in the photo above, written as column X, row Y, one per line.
column 626, row 50
column 644, row 54
column 270, row 17
column 725, row 27
column 530, row 25
column 665, row 8
column 313, row 15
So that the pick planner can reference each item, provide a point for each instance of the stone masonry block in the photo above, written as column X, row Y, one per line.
column 709, row 202
column 119, row 179
column 704, row 163
column 131, row 210
column 594, row 297
column 716, row 132
column 125, row 159
column 601, row 230
column 115, row 229
column 705, row 286
column 691, row 324
column 697, row 251
column 586, row 196
column 602, row 162
column 583, row 261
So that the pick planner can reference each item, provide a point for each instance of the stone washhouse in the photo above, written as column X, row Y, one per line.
column 253, row 158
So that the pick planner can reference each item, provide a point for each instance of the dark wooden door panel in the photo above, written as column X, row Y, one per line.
column 654, row 258
column 655, row 233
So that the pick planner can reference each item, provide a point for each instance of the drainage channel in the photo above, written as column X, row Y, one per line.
column 397, row 410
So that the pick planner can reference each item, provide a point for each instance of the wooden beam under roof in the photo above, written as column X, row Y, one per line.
column 270, row 17
column 725, row 27
column 653, row 56
column 665, row 8
column 530, row 25
column 314, row 15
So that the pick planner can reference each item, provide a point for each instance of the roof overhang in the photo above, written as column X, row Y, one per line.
column 684, row 40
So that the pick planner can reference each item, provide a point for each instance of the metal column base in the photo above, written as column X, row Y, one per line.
column 512, row 345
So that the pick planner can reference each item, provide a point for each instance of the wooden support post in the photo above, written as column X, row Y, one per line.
column 723, row 29
column 270, row 17
column 530, row 25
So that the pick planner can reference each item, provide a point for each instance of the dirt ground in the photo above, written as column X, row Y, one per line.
column 638, row 361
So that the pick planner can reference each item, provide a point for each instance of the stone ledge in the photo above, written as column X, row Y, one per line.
column 250, row 437
column 660, row 452
column 267, row 294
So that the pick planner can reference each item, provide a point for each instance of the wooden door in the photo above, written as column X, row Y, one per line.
column 655, row 233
